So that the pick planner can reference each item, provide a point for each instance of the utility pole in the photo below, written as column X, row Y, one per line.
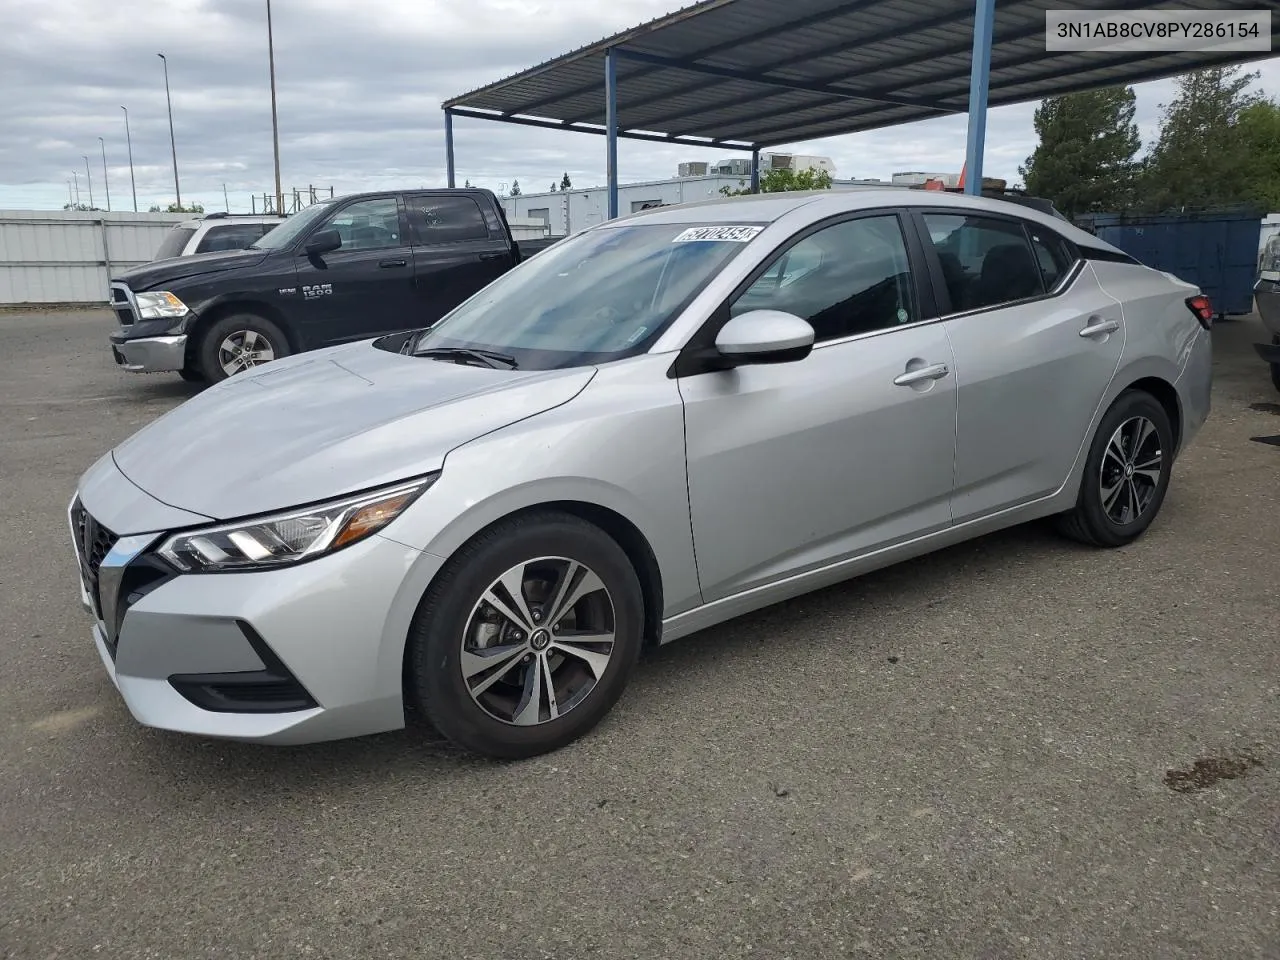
column 172, row 143
column 88, row 178
column 129, row 140
column 225, row 202
column 275, row 126
column 106, row 183
column 77, row 178
column 70, row 198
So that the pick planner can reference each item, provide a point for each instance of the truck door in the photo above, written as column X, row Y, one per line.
column 455, row 251
column 365, row 287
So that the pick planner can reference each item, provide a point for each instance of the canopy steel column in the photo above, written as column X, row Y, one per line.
column 611, row 127
column 448, row 145
column 755, row 170
column 979, row 81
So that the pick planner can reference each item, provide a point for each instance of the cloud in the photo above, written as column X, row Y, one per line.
column 359, row 90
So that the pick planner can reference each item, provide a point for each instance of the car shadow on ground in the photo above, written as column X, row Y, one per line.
column 419, row 754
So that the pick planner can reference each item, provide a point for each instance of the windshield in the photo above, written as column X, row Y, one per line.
column 175, row 241
column 600, row 296
column 289, row 231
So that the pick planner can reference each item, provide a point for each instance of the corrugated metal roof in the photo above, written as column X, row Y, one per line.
column 769, row 72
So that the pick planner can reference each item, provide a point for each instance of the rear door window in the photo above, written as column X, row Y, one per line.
column 986, row 261
column 444, row 219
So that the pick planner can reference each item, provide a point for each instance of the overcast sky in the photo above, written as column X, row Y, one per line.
column 359, row 85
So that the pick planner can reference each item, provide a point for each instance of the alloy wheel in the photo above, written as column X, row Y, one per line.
column 538, row 641
column 1132, row 466
column 244, row 349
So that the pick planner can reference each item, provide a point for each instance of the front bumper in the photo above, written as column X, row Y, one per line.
column 297, row 655
column 1269, row 352
column 150, row 354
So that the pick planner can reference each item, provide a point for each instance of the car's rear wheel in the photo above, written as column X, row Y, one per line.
column 239, row 342
column 527, row 638
column 1126, row 474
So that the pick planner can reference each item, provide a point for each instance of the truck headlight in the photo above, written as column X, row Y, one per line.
column 160, row 305
column 289, row 537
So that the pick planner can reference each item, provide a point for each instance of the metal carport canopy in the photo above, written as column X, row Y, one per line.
column 750, row 74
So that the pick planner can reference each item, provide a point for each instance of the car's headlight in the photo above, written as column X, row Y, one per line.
column 289, row 537
column 160, row 305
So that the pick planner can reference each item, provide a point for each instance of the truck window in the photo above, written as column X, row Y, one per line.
column 444, row 219
column 368, row 224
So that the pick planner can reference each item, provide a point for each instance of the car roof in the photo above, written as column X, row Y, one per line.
column 764, row 208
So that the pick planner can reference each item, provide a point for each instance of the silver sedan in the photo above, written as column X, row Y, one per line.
column 657, row 424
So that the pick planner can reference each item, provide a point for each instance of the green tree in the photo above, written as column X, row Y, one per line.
column 1259, row 132
column 1199, row 159
column 1086, row 158
column 175, row 208
column 780, row 180
column 515, row 188
column 564, row 181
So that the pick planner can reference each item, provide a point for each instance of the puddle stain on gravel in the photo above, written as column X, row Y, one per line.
column 1209, row 771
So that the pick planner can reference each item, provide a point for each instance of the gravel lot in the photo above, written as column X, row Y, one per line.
column 968, row 755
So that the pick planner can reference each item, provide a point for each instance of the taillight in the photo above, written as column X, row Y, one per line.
column 1203, row 309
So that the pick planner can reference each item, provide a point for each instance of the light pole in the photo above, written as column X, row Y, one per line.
column 275, row 128
column 77, row 179
column 88, row 178
column 129, row 140
column 172, row 143
column 106, row 183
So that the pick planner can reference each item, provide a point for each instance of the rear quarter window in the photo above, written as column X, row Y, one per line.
column 174, row 243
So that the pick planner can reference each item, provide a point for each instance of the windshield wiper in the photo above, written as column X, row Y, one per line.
column 488, row 357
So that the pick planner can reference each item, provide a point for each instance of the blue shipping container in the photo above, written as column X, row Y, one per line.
column 1216, row 251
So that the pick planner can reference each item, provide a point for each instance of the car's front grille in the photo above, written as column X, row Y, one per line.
column 93, row 542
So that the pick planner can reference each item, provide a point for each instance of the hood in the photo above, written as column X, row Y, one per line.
column 151, row 276
column 329, row 422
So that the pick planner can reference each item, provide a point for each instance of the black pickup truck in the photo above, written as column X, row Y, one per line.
column 355, row 267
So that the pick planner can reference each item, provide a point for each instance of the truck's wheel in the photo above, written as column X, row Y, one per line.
column 238, row 342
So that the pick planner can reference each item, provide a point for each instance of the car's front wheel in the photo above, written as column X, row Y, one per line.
column 527, row 638
column 1126, row 474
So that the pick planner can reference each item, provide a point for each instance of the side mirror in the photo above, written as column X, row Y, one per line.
column 326, row 241
column 765, row 336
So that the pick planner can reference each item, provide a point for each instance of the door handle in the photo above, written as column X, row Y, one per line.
column 395, row 262
column 934, row 371
column 1097, row 327
column 492, row 256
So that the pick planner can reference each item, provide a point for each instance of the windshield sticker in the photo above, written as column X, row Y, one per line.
column 637, row 335
column 731, row 234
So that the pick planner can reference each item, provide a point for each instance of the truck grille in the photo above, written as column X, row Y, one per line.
column 122, row 305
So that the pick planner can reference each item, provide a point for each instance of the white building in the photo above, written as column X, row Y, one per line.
column 568, row 211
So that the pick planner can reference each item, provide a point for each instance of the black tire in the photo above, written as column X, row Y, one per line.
column 191, row 375
column 210, row 344
column 1275, row 375
column 434, row 683
column 1089, row 522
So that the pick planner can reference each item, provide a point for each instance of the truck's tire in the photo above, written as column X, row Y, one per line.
column 238, row 342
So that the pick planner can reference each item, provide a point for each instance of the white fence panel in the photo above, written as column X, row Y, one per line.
column 69, row 256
